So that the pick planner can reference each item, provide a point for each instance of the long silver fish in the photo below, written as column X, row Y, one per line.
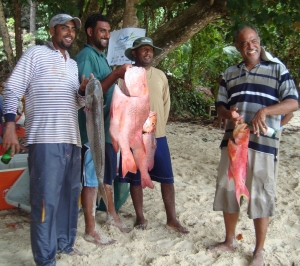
column 95, row 130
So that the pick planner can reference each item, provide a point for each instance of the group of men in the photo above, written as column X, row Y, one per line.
column 258, row 90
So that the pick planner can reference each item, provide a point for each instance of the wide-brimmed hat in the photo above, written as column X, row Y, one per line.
column 63, row 19
column 140, row 42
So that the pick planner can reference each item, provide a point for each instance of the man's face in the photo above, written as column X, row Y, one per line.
column 143, row 55
column 63, row 35
column 248, row 44
column 99, row 36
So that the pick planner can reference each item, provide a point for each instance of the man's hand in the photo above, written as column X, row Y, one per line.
column 10, row 138
column 235, row 117
column 259, row 122
column 85, row 81
column 120, row 71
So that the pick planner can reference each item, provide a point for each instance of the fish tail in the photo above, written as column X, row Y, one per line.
column 147, row 182
column 242, row 191
column 128, row 165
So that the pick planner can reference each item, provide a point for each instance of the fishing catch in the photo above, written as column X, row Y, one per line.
column 130, row 109
column 238, row 159
column 95, row 131
column 144, row 156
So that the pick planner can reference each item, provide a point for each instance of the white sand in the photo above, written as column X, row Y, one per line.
column 195, row 163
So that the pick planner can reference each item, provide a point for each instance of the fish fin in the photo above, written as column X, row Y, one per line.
column 230, row 175
column 101, row 194
column 115, row 144
column 151, row 165
column 147, row 182
column 242, row 191
column 128, row 164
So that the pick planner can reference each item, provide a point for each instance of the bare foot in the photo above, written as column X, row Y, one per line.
column 223, row 246
column 117, row 222
column 97, row 239
column 258, row 259
column 177, row 227
column 141, row 224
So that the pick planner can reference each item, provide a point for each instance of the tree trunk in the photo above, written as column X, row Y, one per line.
column 6, row 40
column 129, row 18
column 78, row 44
column 32, row 29
column 180, row 29
column 18, row 30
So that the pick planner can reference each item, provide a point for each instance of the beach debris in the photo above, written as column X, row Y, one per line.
column 239, row 237
column 238, row 160
column 130, row 108
column 14, row 225
column 95, row 131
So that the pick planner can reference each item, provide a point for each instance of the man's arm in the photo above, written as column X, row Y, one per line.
column 119, row 72
column 286, row 119
column 10, row 138
column 231, row 114
column 284, row 107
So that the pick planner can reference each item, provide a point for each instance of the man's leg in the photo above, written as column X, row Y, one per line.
column 67, row 212
column 230, row 220
column 88, row 200
column 45, row 163
column 168, row 195
column 89, row 197
column 136, row 193
column 109, row 176
column 112, row 216
column 261, row 227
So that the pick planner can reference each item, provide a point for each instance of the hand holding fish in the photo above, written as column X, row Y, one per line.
column 259, row 122
column 85, row 81
column 235, row 117
column 120, row 71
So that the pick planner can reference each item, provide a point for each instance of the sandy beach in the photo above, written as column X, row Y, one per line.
column 195, row 156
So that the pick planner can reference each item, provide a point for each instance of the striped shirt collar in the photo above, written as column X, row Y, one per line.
column 51, row 46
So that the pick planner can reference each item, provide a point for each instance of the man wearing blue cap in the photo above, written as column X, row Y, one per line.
column 49, row 79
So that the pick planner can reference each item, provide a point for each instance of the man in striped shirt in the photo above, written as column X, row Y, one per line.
column 258, row 90
column 49, row 79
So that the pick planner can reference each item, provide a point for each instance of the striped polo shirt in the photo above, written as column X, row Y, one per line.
column 50, row 85
column 268, row 83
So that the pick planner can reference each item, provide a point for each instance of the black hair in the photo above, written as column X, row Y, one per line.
column 236, row 34
column 92, row 20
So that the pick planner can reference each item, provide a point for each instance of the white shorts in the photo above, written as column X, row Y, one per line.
column 260, row 181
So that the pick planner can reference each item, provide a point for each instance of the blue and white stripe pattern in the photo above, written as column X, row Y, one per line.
column 50, row 84
column 268, row 83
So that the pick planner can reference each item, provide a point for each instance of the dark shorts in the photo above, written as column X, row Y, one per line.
column 88, row 176
column 162, row 171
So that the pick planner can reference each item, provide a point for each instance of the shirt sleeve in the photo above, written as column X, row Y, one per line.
column 18, row 82
column 287, row 87
column 166, row 98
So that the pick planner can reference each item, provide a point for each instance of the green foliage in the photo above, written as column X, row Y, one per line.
column 276, row 22
column 185, row 99
column 201, row 59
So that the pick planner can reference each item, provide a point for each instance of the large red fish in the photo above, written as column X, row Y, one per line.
column 130, row 109
column 144, row 156
column 238, row 157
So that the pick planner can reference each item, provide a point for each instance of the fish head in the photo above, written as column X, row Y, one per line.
column 241, row 133
column 136, row 81
column 150, row 124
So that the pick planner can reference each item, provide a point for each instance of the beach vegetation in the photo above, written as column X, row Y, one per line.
column 196, row 35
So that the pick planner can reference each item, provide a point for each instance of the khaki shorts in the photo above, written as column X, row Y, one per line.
column 260, row 181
